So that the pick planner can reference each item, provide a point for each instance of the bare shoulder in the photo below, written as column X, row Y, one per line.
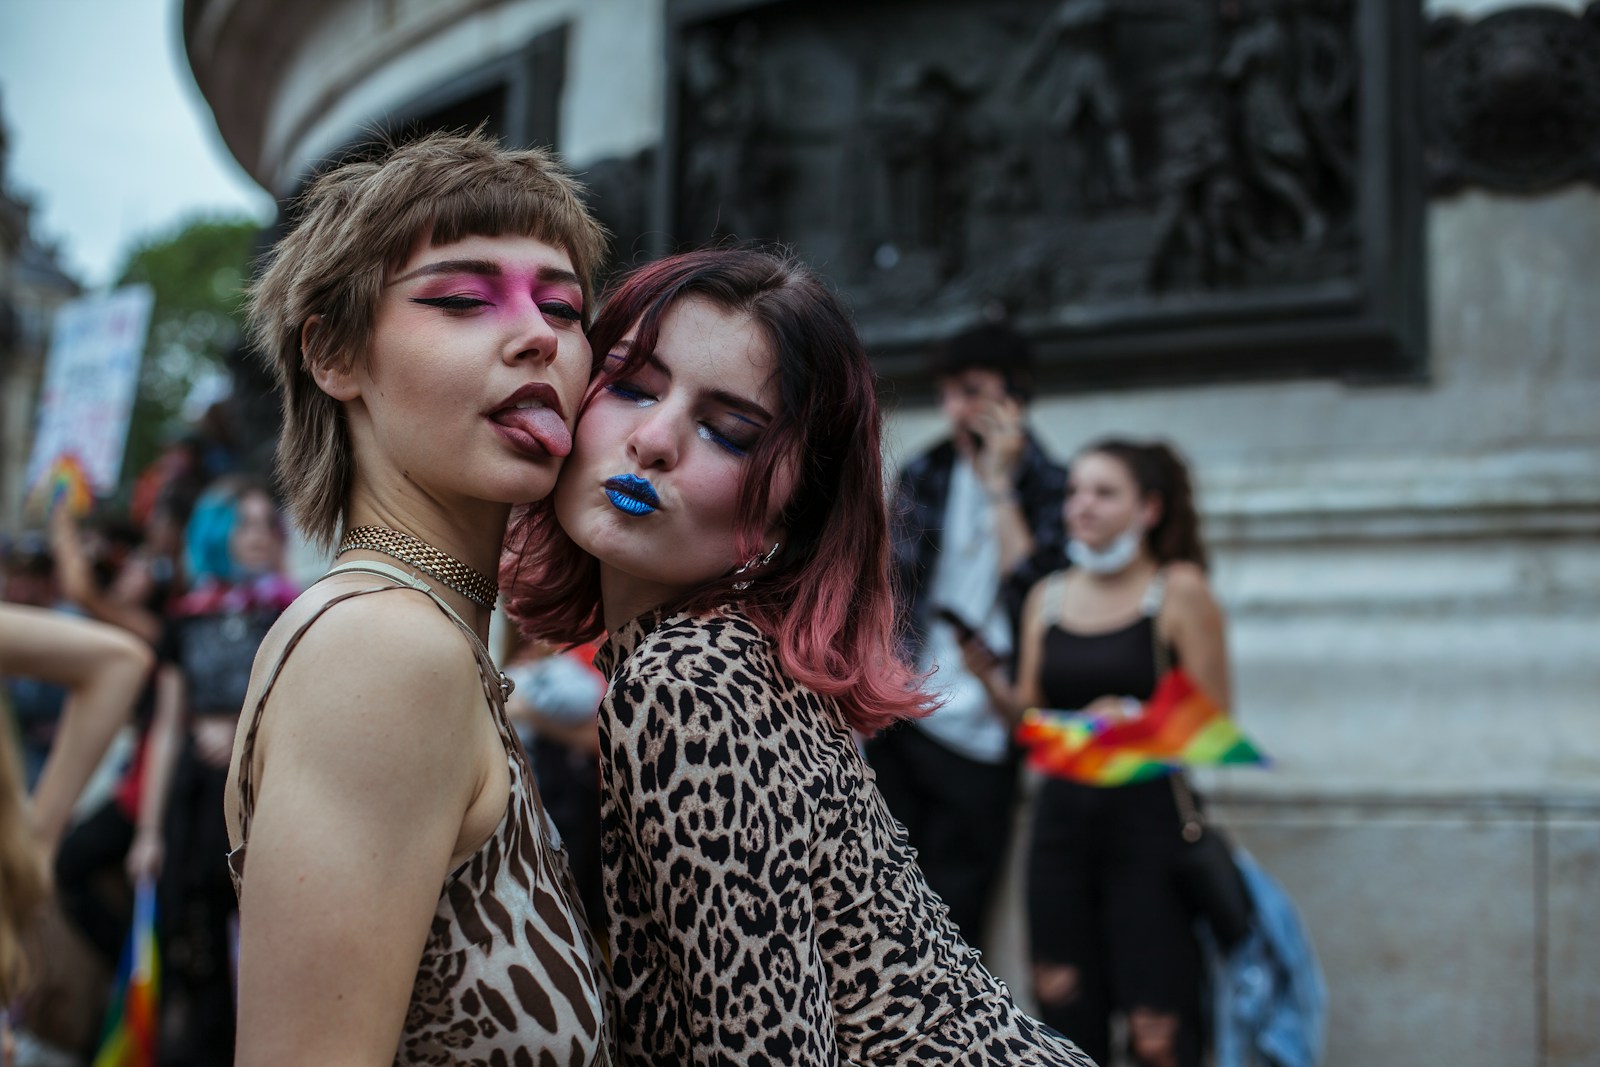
column 1040, row 590
column 1187, row 579
column 1044, row 597
column 1188, row 590
column 386, row 673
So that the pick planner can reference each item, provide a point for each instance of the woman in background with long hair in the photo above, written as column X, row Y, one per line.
column 1110, row 931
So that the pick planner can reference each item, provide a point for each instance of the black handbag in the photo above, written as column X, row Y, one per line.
column 1208, row 878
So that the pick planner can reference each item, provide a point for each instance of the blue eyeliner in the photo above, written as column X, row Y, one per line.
column 631, row 494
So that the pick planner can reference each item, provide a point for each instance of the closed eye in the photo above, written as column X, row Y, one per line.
column 710, row 433
column 629, row 391
column 451, row 303
column 560, row 309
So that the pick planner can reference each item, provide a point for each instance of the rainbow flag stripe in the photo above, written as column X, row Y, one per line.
column 1178, row 727
column 129, row 1037
column 65, row 483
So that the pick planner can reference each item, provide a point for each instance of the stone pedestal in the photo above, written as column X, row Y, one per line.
column 1413, row 594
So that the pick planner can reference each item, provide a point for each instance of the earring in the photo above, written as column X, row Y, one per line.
column 755, row 563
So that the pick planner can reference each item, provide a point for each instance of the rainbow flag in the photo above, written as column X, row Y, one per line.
column 129, row 1037
column 65, row 483
column 1178, row 727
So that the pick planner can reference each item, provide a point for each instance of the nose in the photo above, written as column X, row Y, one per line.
column 654, row 442
column 533, row 338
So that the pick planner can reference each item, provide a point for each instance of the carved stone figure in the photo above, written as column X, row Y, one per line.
column 1275, row 149
column 730, row 174
column 1206, row 235
column 916, row 122
column 1084, row 106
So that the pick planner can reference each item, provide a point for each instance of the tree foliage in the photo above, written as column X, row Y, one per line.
column 198, row 272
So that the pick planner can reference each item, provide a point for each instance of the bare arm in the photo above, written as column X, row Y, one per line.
column 103, row 669
column 367, row 762
column 77, row 582
column 1012, row 698
column 1011, row 529
column 1192, row 621
column 161, row 749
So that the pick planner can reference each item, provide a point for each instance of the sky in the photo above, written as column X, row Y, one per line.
column 109, row 137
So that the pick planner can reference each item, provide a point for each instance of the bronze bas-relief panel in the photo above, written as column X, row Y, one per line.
column 1512, row 101
column 1153, row 189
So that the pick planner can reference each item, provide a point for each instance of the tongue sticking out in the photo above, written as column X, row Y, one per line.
column 542, row 424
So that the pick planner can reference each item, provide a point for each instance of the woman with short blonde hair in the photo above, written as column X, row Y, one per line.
column 405, row 898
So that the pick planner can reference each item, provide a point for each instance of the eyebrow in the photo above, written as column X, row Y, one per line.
column 722, row 396
column 486, row 268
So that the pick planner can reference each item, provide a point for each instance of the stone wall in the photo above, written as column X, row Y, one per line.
column 1413, row 595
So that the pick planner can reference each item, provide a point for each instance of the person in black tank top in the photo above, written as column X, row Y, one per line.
column 1110, row 935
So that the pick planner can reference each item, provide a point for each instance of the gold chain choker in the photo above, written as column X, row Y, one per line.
column 424, row 557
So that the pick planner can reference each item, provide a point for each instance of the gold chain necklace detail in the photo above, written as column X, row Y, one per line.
column 424, row 557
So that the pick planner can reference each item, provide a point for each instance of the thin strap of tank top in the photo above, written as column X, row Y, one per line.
column 1154, row 593
column 1055, row 597
column 1054, row 605
column 401, row 580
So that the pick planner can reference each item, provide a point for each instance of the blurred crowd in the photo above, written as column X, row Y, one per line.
column 194, row 569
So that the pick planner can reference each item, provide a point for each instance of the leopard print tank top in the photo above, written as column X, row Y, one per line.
column 510, row 973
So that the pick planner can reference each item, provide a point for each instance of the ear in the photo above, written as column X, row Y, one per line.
column 776, row 535
column 331, row 377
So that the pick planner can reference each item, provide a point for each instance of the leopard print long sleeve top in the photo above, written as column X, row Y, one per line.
column 764, row 907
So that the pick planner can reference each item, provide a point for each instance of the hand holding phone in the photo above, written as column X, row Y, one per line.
column 966, row 634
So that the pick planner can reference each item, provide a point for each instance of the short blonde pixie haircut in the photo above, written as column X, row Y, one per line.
column 357, row 224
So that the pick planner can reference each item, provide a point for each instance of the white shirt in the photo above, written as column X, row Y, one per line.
column 966, row 579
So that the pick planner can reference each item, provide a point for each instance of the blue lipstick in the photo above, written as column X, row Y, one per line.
column 632, row 494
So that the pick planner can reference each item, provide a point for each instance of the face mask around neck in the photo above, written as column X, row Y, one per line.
column 1111, row 559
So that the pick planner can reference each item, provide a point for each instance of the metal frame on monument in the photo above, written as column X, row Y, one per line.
column 1154, row 190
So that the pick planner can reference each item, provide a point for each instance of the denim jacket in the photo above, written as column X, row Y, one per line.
column 1270, row 1000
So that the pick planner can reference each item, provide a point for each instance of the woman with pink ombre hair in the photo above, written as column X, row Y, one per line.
column 722, row 517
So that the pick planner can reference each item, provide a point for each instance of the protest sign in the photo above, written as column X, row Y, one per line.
column 91, row 376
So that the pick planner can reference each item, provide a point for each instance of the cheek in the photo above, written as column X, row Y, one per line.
column 572, row 372
column 599, row 432
column 711, row 495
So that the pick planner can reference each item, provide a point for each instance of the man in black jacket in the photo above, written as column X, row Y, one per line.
column 977, row 519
